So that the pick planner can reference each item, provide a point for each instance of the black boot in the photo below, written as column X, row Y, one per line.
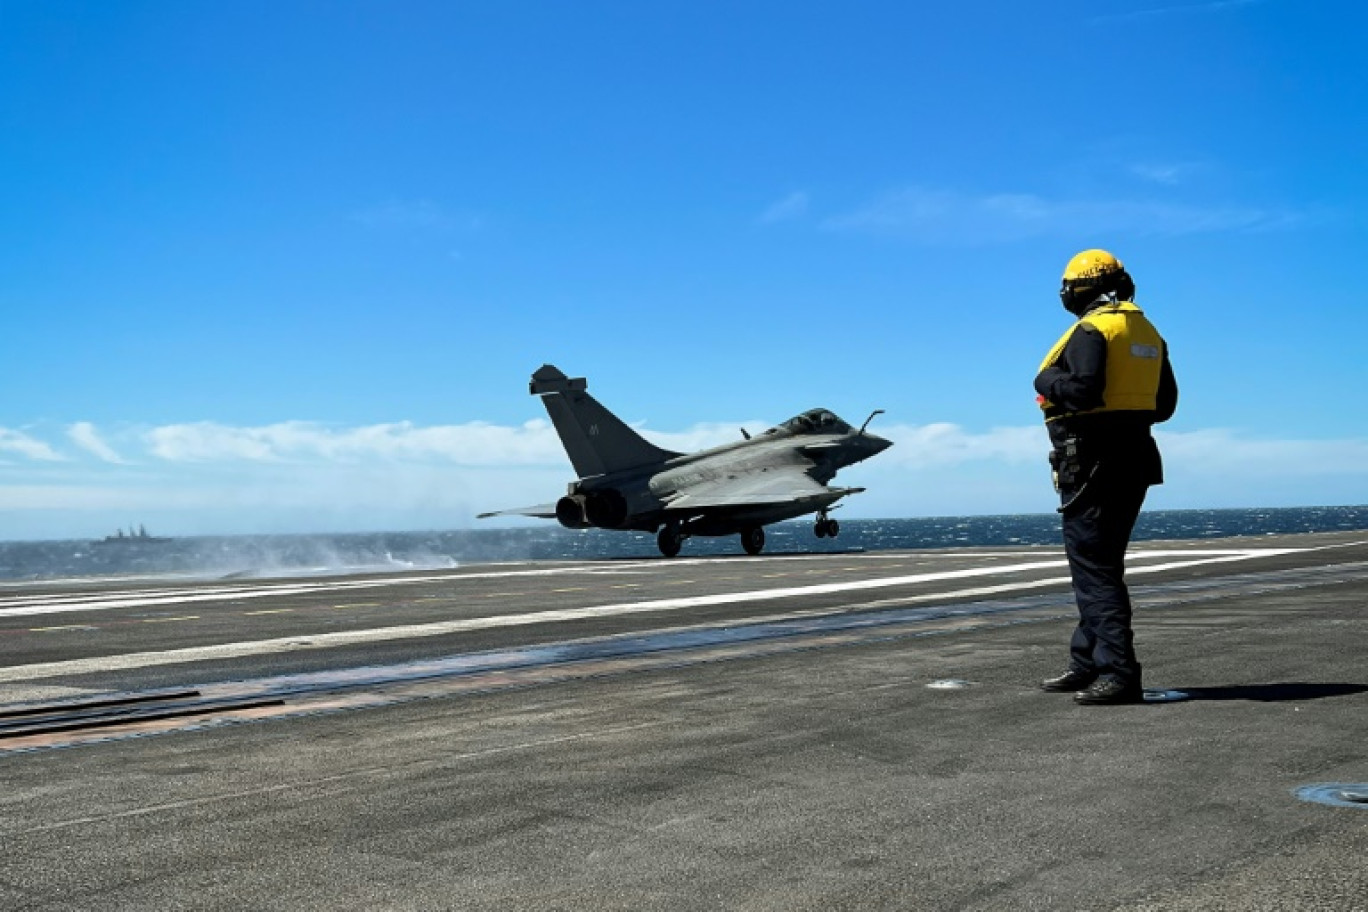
column 1110, row 692
column 1069, row 680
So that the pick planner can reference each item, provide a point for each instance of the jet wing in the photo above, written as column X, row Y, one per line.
column 540, row 511
column 777, row 486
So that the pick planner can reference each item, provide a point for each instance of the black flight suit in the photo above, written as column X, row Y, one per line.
column 1115, row 460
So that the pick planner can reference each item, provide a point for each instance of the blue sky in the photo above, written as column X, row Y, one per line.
column 287, row 267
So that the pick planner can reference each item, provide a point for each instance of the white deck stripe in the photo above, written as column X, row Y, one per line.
column 25, row 605
column 54, row 604
column 441, row 628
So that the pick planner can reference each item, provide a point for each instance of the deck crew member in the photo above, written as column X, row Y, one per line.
column 1101, row 387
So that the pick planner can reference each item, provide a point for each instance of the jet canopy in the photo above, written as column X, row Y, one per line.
column 815, row 421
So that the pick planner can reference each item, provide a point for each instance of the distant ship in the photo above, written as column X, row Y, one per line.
column 139, row 537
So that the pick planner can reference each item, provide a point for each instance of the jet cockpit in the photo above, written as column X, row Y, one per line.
column 814, row 421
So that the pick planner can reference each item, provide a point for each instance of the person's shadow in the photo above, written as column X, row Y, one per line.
column 1288, row 692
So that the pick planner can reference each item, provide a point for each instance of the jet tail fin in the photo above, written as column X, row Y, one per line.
column 596, row 440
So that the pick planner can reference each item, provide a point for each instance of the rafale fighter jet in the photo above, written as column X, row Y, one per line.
column 627, row 483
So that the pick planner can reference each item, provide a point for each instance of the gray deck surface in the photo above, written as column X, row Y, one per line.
column 807, row 767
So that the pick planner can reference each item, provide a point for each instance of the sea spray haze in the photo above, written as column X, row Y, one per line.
column 302, row 555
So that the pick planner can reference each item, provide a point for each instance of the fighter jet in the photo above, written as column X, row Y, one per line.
column 628, row 483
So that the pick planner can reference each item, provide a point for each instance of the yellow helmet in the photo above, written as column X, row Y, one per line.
column 1090, row 275
column 1091, row 264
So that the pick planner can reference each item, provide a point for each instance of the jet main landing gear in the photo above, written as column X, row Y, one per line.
column 826, row 527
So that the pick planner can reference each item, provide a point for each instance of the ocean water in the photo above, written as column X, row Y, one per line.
column 245, row 556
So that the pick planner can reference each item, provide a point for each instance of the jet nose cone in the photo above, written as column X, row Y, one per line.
column 876, row 444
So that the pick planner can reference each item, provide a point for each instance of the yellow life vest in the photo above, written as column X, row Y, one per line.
column 1135, row 358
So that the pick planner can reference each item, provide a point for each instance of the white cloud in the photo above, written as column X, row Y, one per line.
column 206, row 442
column 1228, row 455
column 943, row 216
column 794, row 206
column 476, row 443
column 26, row 446
column 84, row 435
column 946, row 445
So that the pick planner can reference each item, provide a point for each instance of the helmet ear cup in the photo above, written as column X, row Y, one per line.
column 1125, row 287
column 1076, row 295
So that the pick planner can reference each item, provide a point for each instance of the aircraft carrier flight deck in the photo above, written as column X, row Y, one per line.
column 855, row 730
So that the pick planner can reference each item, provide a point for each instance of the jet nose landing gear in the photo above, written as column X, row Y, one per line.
column 826, row 527
column 753, row 539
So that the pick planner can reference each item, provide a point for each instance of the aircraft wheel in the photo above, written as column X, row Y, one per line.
column 669, row 540
column 833, row 528
column 753, row 539
column 819, row 528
